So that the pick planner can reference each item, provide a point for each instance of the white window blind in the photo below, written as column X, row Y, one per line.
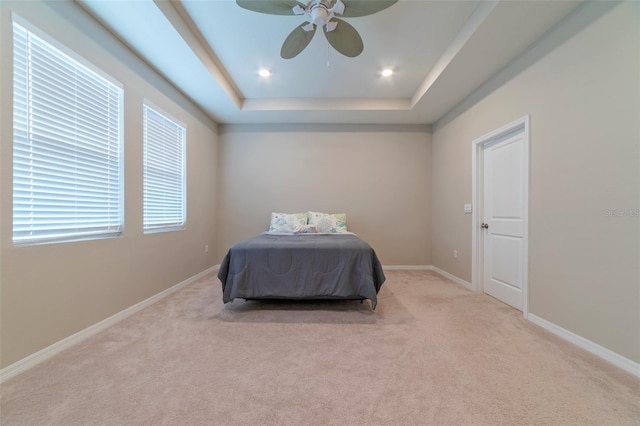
column 163, row 172
column 67, row 181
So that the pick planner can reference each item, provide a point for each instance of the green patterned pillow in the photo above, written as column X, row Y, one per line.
column 329, row 223
column 285, row 222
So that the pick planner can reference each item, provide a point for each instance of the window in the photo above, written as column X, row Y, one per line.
column 67, row 157
column 163, row 172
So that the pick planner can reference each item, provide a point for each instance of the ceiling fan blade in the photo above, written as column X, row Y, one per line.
column 344, row 38
column 295, row 43
column 271, row 7
column 356, row 8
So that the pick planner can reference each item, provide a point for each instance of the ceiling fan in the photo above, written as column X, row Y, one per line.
column 322, row 13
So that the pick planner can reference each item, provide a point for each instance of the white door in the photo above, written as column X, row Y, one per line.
column 505, row 192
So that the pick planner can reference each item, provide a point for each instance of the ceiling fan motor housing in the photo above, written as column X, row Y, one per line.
column 321, row 11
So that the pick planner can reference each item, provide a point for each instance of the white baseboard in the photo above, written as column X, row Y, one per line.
column 597, row 350
column 48, row 352
column 407, row 267
column 452, row 277
column 428, row 268
column 51, row 350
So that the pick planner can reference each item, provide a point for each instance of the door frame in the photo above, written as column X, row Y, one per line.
column 477, row 189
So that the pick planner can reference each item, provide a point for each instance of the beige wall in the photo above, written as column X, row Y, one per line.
column 379, row 176
column 582, row 91
column 49, row 292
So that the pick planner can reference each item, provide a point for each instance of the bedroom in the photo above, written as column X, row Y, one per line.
column 579, row 85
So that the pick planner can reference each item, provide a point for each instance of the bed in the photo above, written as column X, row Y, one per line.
column 301, row 266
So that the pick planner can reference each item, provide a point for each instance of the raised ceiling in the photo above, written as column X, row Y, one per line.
column 440, row 52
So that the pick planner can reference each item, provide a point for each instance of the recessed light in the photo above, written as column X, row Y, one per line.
column 387, row 72
column 263, row 72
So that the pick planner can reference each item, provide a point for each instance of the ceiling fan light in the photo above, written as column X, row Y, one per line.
column 387, row 72
column 263, row 72
column 319, row 16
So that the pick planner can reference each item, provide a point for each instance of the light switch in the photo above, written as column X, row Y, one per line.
column 467, row 208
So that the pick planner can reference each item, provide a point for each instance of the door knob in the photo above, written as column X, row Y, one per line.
column 484, row 226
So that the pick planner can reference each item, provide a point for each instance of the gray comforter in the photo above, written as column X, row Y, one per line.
column 336, row 266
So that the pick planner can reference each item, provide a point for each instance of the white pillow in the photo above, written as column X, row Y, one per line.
column 306, row 229
column 286, row 222
column 328, row 223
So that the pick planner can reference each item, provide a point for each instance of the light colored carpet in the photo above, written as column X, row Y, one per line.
column 432, row 353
